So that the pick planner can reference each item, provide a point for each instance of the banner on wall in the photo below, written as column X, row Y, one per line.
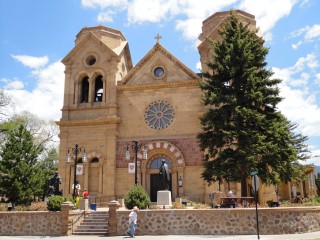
column 79, row 170
column 131, row 167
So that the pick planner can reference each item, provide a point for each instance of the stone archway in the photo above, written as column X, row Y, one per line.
column 169, row 151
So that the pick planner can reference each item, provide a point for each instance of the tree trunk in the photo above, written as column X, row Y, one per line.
column 244, row 192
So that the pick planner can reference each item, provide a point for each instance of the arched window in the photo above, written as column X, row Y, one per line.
column 156, row 163
column 84, row 90
column 95, row 160
column 98, row 89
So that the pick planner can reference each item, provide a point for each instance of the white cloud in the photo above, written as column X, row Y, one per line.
column 102, row 4
column 189, row 14
column 154, row 11
column 310, row 34
column 295, row 46
column 268, row 13
column 313, row 33
column 106, row 16
column 12, row 84
column 30, row 61
column 317, row 78
column 300, row 99
column 46, row 99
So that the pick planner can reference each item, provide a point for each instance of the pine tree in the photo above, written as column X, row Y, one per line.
column 21, row 172
column 242, row 130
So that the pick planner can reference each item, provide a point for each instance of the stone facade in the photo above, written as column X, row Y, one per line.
column 108, row 103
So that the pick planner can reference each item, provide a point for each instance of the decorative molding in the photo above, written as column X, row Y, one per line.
column 190, row 83
column 165, row 146
column 88, row 122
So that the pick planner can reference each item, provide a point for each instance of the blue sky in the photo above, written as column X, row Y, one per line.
column 36, row 34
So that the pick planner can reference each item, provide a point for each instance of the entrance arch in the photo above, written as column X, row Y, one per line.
column 173, row 155
column 155, row 184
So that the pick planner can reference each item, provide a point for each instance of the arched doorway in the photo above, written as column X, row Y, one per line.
column 150, row 168
column 155, row 179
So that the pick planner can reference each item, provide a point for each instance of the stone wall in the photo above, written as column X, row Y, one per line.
column 36, row 223
column 222, row 221
column 30, row 223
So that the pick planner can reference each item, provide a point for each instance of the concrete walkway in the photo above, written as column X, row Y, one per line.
column 304, row 236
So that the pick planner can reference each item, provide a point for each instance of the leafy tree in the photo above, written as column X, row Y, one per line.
column 317, row 179
column 5, row 101
column 44, row 132
column 242, row 129
column 22, row 177
column 48, row 166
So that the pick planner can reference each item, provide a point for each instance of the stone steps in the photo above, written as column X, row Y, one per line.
column 94, row 223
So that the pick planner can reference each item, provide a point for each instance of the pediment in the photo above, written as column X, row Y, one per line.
column 89, row 40
column 159, row 66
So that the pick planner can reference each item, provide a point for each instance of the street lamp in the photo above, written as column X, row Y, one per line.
column 180, row 181
column 76, row 151
column 136, row 146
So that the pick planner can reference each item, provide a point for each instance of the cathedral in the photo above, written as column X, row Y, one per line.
column 119, row 120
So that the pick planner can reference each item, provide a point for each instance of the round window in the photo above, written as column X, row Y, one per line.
column 159, row 115
column 158, row 71
column 91, row 60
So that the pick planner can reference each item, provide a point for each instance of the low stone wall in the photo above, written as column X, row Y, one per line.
column 37, row 223
column 221, row 221
column 30, row 223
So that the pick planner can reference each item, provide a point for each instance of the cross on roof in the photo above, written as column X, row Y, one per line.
column 158, row 37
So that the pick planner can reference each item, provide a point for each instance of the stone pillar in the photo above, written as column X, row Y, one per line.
column 112, row 224
column 66, row 222
column 91, row 90
column 86, row 176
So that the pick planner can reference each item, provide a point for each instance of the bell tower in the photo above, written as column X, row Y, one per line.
column 210, row 28
column 93, row 68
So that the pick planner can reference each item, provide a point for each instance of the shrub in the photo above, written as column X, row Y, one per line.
column 154, row 206
column 3, row 207
column 39, row 206
column 201, row 206
column 54, row 203
column 137, row 196
column 176, row 205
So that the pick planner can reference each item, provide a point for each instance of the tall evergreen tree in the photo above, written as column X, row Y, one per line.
column 242, row 129
column 21, row 172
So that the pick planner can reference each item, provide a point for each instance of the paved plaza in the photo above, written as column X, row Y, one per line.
column 305, row 236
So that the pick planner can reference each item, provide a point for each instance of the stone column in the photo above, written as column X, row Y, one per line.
column 66, row 222
column 91, row 90
column 86, row 176
column 112, row 223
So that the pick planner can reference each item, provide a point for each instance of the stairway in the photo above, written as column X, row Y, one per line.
column 94, row 223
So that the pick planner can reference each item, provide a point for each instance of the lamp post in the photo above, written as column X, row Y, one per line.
column 136, row 146
column 76, row 151
column 180, row 182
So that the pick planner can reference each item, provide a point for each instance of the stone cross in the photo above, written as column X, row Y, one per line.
column 158, row 37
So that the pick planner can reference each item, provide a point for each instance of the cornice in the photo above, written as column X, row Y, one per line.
column 73, row 123
column 191, row 83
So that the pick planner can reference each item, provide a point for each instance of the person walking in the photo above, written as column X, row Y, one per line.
column 133, row 218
